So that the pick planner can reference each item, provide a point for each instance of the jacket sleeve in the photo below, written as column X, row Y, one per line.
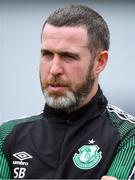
column 123, row 164
column 4, row 165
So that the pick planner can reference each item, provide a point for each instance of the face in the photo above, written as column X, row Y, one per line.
column 66, row 67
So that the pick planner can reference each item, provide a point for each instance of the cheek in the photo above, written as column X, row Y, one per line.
column 43, row 71
column 78, row 76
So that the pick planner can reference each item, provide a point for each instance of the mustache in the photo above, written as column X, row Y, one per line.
column 55, row 80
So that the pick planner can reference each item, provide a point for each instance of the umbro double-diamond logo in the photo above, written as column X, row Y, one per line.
column 20, row 166
column 22, row 156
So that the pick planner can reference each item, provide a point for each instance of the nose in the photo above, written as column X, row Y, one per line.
column 56, row 66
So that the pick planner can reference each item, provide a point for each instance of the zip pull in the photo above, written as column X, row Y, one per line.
column 68, row 121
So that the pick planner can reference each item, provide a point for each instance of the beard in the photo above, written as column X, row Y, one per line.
column 71, row 99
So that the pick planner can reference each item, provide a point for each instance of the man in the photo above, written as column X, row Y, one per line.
column 78, row 135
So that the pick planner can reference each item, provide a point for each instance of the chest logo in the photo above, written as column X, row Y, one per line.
column 20, row 166
column 88, row 157
column 22, row 156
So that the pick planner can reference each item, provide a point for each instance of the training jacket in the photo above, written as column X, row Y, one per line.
column 95, row 140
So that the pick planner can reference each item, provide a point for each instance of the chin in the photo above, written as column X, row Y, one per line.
column 60, row 101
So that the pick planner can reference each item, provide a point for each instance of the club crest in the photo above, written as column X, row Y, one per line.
column 88, row 157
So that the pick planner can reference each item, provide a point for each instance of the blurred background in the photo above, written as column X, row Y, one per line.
column 20, row 26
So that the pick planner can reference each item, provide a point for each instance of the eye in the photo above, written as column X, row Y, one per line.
column 47, row 55
column 69, row 57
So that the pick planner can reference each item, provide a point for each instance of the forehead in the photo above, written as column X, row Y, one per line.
column 68, row 35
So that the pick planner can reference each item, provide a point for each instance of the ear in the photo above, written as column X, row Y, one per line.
column 101, row 61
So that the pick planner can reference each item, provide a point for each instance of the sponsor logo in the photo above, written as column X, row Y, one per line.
column 88, row 156
column 19, row 172
column 120, row 113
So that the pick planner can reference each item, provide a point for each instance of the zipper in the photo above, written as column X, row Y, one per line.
column 68, row 121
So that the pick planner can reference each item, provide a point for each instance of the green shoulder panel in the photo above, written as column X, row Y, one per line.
column 124, row 160
column 5, row 129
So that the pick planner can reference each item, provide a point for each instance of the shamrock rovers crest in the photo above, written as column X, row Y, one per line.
column 88, row 157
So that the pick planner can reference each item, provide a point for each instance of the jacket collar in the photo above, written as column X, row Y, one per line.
column 95, row 107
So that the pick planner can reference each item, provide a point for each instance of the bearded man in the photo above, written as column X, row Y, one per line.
column 78, row 135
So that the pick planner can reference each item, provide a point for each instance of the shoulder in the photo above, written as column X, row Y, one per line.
column 5, row 131
column 120, row 114
column 124, row 159
column 123, row 121
column 7, row 127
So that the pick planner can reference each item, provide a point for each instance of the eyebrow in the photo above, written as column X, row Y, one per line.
column 64, row 53
column 45, row 50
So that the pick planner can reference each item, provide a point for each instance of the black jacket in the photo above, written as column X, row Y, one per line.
column 57, row 145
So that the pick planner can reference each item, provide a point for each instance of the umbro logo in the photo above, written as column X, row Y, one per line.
column 22, row 156
column 20, row 166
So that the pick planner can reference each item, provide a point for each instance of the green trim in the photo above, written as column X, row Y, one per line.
column 124, row 159
column 4, row 167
